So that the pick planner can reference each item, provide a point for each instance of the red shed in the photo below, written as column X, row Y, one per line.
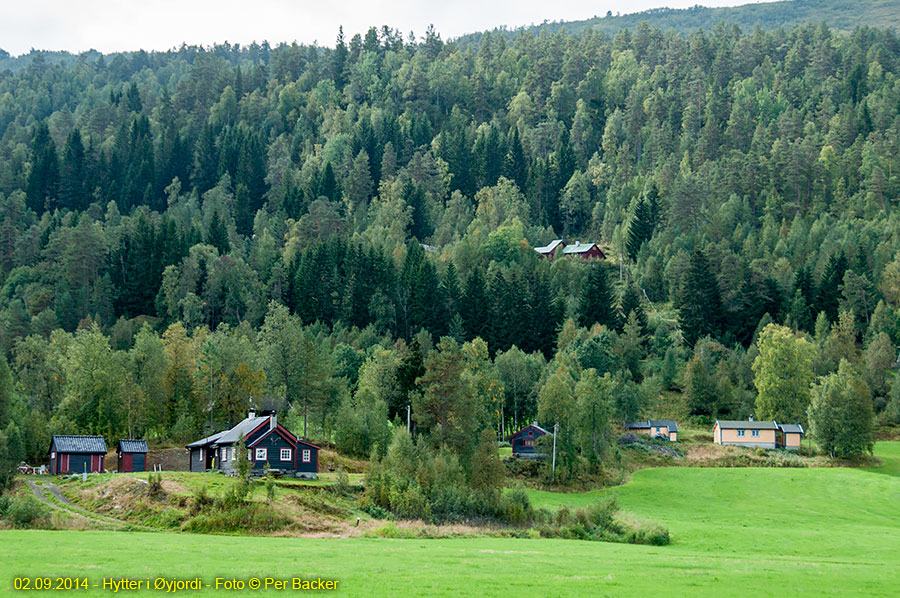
column 132, row 455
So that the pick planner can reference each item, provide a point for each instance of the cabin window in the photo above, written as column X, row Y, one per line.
column 200, row 455
column 261, row 454
column 306, row 456
column 529, row 442
column 531, row 432
column 224, row 454
column 285, row 454
column 754, row 433
column 53, row 455
column 740, row 433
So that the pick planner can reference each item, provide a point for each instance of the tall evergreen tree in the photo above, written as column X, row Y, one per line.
column 43, row 180
column 595, row 302
column 700, row 311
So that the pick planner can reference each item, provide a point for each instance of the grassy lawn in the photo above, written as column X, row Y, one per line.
column 752, row 531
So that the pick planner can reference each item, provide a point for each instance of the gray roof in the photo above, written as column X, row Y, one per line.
column 746, row 425
column 133, row 446
column 206, row 441
column 653, row 423
column 664, row 423
column 535, row 426
column 791, row 428
column 550, row 247
column 242, row 429
column 579, row 247
column 79, row 444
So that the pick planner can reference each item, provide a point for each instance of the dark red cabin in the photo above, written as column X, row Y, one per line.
column 77, row 454
column 132, row 455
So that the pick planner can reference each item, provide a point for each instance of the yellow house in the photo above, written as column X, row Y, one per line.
column 655, row 428
column 762, row 434
column 746, row 433
column 789, row 436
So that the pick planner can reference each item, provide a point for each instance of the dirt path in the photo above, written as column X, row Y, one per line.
column 39, row 493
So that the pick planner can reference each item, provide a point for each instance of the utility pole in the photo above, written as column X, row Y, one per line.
column 555, row 432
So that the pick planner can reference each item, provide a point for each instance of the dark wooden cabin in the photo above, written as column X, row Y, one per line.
column 77, row 454
column 132, row 455
column 266, row 440
column 586, row 251
column 523, row 442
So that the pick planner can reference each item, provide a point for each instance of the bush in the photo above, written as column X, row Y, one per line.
column 201, row 500
column 655, row 535
column 4, row 504
column 154, row 485
column 26, row 511
column 341, row 484
column 515, row 507
column 375, row 511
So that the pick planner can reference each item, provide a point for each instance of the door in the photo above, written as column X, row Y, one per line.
column 63, row 463
column 127, row 462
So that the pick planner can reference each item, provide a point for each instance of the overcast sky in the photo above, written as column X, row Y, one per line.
column 115, row 25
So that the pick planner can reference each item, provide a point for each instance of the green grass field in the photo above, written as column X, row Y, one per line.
column 759, row 532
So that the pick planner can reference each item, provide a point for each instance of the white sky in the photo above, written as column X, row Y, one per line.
column 119, row 25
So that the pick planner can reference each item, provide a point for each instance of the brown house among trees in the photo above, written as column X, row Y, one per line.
column 557, row 247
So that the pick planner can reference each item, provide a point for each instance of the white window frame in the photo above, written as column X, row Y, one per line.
column 53, row 455
column 261, row 451
column 307, row 455
column 283, row 451
column 741, row 433
column 200, row 456
column 224, row 455
column 754, row 433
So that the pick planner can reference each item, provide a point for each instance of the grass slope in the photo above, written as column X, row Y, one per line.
column 761, row 532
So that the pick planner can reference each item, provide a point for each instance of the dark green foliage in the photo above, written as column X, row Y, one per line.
column 700, row 303
column 595, row 301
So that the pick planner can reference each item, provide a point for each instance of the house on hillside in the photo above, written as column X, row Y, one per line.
column 266, row 440
column 655, row 428
column 552, row 250
column 523, row 441
column 132, row 455
column 789, row 436
column 761, row 434
column 77, row 454
column 586, row 251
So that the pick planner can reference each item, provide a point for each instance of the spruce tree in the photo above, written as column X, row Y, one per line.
column 640, row 228
column 43, row 180
column 595, row 302
column 474, row 306
column 700, row 303
column 829, row 295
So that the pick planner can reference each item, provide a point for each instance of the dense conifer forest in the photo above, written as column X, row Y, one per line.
column 340, row 232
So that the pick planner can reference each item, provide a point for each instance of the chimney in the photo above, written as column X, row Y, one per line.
column 751, row 418
column 251, row 413
column 273, row 421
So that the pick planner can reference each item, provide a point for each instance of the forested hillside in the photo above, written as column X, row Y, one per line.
column 340, row 232
column 840, row 15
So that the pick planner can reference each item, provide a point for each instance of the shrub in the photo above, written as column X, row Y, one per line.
column 154, row 485
column 4, row 504
column 341, row 484
column 26, row 511
column 654, row 535
column 201, row 500
column 515, row 507
column 375, row 511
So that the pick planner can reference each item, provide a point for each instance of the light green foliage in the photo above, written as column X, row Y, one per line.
column 840, row 415
column 783, row 372
column 594, row 398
